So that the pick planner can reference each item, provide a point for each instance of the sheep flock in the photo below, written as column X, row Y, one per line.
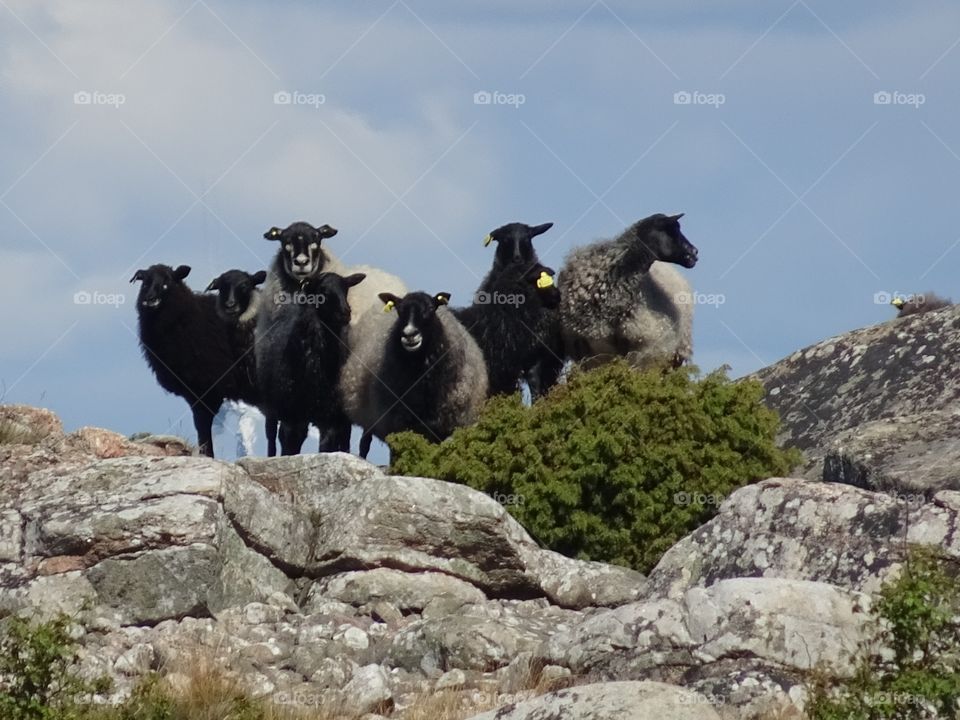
column 313, row 341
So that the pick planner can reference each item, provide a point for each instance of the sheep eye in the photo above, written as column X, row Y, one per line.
column 313, row 246
column 288, row 247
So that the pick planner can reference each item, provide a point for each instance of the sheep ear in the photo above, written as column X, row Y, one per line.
column 259, row 277
column 273, row 233
column 181, row 272
column 390, row 301
column 441, row 299
column 326, row 231
column 675, row 217
column 540, row 229
column 139, row 275
column 487, row 240
column 214, row 285
column 355, row 279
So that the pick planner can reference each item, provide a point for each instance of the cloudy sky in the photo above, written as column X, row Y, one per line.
column 812, row 145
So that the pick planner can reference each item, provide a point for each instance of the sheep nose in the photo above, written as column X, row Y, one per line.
column 301, row 259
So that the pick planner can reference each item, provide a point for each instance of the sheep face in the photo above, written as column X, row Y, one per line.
column 156, row 283
column 416, row 323
column 541, row 277
column 661, row 235
column 300, row 248
column 515, row 243
column 328, row 294
column 235, row 290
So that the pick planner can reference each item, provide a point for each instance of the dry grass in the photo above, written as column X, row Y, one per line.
column 12, row 433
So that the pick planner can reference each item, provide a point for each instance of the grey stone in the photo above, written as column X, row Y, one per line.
column 610, row 701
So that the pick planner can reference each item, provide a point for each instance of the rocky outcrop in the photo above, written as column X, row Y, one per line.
column 323, row 580
column 878, row 407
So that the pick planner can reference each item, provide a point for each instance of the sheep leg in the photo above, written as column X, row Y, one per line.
column 292, row 436
column 203, row 422
column 365, row 440
column 271, row 428
column 335, row 438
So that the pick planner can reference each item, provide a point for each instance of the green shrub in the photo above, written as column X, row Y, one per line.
column 37, row 679
column 615, row 465
column 916, row 623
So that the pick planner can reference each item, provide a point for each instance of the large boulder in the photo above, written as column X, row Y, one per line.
column 610, row 701
column 800, row 530
column 880, row 405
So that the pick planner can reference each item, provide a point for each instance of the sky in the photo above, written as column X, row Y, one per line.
column 813, row 146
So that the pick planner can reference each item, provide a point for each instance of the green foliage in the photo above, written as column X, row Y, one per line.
column 615, row 465
column 37, row 679
column 919, row 674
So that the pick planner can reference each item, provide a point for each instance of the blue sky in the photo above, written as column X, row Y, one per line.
column 805, row 196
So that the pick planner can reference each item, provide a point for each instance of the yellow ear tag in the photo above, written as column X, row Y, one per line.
column 389, row 306
column 274, row 232
column 544, row 281
column 487, row 240
column 441, row 299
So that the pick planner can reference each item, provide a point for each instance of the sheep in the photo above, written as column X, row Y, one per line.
column 604, row 307
column 186, row 345
column 299, row 361
column 238, row 302
column 515, row 249
column 511, row 321
column 916, row 304
column 416, row 369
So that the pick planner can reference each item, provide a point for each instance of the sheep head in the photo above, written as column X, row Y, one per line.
column 660, row 236
column 157, row 281
column 416, row 322
column 300, row 248
column 515, row 243
column 235, row 290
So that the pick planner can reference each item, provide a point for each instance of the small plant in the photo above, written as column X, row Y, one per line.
column 616, row 465
column 37, row 671
column 913, row 669
column 13, row 433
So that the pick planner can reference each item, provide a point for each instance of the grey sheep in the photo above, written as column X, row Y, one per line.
column 611, row 306
column 412, row 367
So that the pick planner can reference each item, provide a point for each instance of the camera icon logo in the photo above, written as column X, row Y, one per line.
column 482, row 97
column 682, row 97
column 282, row 98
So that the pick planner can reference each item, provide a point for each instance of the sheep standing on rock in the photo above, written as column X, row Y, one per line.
column 238, row 302
column 511, row 320
column 412, row 367
column 917, row 304
column 300, row 363
column 604, row 308
column 187, row 345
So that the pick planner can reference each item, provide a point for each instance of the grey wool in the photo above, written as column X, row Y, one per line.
column 414, row 367
column 611, row 306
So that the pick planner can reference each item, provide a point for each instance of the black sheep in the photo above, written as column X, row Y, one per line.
column 515, row 253
column 238, row 302
column 512, row 322
column 187, row 345
column 299, row 360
